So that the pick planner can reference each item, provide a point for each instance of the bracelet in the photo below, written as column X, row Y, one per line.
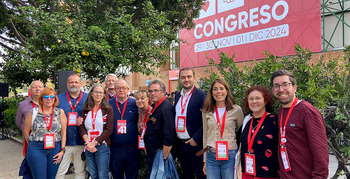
column 63, row 149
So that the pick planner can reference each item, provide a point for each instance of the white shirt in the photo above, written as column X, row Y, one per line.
column 182, row 135
column 98, row 123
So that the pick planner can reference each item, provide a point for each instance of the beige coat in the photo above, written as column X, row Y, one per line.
column 211, row 133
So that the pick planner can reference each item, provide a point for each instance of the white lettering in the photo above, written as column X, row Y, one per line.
column 210, row 23
column 233, row 23
column 285, row 12
column 219, row 26
column 242, row 20
column 195, row 31
column 265, row 14
column 253, row 16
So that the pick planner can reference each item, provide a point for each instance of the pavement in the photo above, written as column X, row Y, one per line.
column 11, row 157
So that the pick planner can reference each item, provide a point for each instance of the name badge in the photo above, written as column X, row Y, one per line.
column 72, row 118
column 121, row 127
column 93, row 135
column 49, row 141
column 221, row 150
column 285, row 159
column 250, row 164
column 141, row 143
column 181, row 123
column 104, row 118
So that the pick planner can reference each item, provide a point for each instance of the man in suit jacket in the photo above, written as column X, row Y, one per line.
column 189, row 126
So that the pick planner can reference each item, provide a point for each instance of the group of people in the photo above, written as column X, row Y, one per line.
column 208, row 133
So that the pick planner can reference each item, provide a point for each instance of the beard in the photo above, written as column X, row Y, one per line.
column 74, row 89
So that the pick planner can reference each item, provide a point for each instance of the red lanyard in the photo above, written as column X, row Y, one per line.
column 221, row 128
column 108, row 95
column 283, row 131
column 160, row 102
column 251, row 139
column 183, row 106
column 76, row 103
column 93, row 118
column 33, row 105
column 124, row 106
column 145, row 120
column 48, row 125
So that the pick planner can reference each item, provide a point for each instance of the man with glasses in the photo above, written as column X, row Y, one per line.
column 125, row 155
column 303, row 151
column 110, row 82
column 160, row 132
column 72, row 103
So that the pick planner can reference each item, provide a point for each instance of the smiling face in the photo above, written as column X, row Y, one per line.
column 219, row 92
column 155, row 93
column 110, row 82
column 97, row 94
column 74, row 84
column 284, row 96
column 122, row 90
column 48, row 101
column 141, row 100
column 256, row 102
column 35, row 88
column 187, row 79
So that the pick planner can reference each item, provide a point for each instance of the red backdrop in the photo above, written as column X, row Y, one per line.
column 250, row 27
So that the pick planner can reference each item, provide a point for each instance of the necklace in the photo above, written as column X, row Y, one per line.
column 253, row 128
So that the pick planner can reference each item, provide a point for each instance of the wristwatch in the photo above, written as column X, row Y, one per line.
column 63, row 149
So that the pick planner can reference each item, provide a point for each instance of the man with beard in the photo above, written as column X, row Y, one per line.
column 303, row 151
column 72, row 103
column 25, row 106
column 109, row 82
column 189, row 125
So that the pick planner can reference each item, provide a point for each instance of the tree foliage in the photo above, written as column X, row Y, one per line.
column 325, row 84
column 92, row 36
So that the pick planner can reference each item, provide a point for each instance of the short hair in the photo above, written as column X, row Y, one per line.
column 47, row 91
column 266, row 95
column 283, row 73
column 142, row 92
column 187, row 68
column 73, row 75
column 89, row 103
column 115, row 84
column 111, row 74
column 209, row 103
column 36, row 81
column 161, row 84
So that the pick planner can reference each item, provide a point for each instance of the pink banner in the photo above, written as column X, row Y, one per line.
column 248, row 28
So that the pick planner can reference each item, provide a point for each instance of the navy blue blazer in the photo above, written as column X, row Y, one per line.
column 194, row 122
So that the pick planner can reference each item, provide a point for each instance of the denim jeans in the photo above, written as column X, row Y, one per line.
column 217, row 169
column 98, row 162
column 40, row 160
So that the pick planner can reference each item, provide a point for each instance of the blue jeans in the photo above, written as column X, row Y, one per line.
column 217, row 169
column 98, row 162
column 40, row 160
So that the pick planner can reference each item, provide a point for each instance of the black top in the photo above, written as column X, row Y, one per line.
column 265, row 146
column 160, row 129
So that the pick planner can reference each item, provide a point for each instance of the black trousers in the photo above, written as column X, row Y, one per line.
column 191, row 165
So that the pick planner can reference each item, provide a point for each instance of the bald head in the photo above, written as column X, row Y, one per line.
column 74, row 84
column 35, row 88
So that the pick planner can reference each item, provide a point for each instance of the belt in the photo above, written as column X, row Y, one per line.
column 208, row 148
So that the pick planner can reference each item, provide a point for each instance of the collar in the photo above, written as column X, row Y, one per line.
column 76, row 97
column 122, row 102
column 186, row 94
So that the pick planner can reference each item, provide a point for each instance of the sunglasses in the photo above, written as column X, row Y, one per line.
column 47, row 96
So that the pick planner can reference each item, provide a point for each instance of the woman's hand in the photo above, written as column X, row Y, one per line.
column 58, row 157
column 91, row 147
column 205, row 169
column 79, row 121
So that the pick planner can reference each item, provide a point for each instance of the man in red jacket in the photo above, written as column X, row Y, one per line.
column 303, row 151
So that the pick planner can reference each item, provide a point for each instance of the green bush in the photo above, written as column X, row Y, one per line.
column 10, row 105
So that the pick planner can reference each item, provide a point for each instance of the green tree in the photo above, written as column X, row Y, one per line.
column 93, row 36
column 325, row 84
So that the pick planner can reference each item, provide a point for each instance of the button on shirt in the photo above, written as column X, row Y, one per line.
column 182, row 135
column 73, row 136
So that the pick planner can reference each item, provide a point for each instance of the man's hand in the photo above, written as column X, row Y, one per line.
column 192, row 142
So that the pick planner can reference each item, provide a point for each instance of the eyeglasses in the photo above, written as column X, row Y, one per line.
column 155, row 91
column 98, row 92
column 47, row 96
column 122, row 88
column 285, row 86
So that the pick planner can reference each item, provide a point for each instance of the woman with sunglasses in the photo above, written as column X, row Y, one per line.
column 45, row 131
column 259, row 137
column 96, row 130
column 221, row 118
